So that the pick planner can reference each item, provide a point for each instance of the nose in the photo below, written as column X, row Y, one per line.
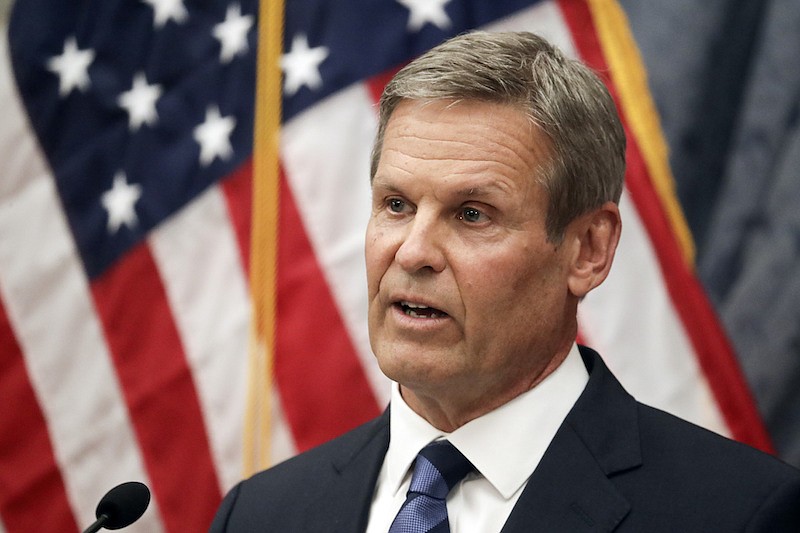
column 421, row 247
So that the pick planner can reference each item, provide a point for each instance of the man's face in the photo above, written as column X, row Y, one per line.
column 468, row 300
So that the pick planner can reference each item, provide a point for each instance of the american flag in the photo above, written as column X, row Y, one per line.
column 125, row 211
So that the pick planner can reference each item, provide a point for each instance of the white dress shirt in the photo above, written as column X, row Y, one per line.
column 504, row 445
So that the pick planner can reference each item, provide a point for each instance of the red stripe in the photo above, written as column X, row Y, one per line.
column 323, row 386
column 711, row 345
column 159, row 391
column 238, row 191
column 29, row 476
column 714, row 352
column 581, row 27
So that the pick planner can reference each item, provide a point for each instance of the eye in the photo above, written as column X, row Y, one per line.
column 470, row 214
column 396, row 205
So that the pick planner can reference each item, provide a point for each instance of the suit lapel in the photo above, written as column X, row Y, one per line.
column 348, row 491
column 570, row 490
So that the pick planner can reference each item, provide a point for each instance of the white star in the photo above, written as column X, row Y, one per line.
column 232, row 33
column 301, row 65
column 140, row 102
column 213, row 135
column 165, row 10
column 422, row 11
column 72, row 67
column 119, row 201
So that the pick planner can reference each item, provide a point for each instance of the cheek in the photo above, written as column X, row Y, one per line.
column 487, row 287
column 377, row 256
column 514, row 288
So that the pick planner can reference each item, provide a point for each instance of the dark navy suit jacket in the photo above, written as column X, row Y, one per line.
column 614, row 465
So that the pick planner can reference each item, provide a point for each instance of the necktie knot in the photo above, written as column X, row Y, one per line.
column 438, row 468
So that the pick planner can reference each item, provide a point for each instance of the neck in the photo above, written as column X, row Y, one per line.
column 449, row 410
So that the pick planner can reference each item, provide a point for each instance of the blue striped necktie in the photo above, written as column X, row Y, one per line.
column 438, row 468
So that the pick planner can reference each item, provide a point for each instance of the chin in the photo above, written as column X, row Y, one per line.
column 395, row 366
column 400, row 366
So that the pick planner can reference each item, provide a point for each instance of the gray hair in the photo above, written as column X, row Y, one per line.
column 562, row 97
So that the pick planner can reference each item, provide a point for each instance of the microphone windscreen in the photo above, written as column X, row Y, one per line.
column 124, row 504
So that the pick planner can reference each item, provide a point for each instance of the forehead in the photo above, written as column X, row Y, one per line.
column 462, row 136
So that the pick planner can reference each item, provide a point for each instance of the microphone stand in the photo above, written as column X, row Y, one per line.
column 98, row 524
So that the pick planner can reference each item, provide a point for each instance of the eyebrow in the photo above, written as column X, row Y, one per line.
column 482, row 189
column 472, row 191
column 383, row 183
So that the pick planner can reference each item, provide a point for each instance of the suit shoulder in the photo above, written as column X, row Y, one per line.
column 337, row 451
column 307, row 467
column 692, row 479
column 280, row 496
column 707, row 456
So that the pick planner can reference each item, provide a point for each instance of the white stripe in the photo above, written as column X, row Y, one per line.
column 631, row 320
column 50, row 308
column 283, row 446
column 326, row 154
column 199, row 261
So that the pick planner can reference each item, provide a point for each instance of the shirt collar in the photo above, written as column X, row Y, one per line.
column 535, row 417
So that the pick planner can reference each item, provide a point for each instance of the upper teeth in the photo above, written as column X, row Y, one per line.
column 413, row 305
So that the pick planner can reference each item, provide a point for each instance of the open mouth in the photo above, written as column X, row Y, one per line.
column 419, row 311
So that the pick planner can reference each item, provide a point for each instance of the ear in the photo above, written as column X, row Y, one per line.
column 595, row 236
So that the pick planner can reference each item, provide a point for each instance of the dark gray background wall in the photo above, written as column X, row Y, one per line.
column 725, row 75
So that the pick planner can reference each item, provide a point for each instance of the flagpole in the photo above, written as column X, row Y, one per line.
column 630, row 80
column 264, row 237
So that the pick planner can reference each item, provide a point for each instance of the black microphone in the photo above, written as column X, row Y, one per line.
column 121, row 506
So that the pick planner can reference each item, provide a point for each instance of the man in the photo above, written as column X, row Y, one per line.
column 496, row 173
